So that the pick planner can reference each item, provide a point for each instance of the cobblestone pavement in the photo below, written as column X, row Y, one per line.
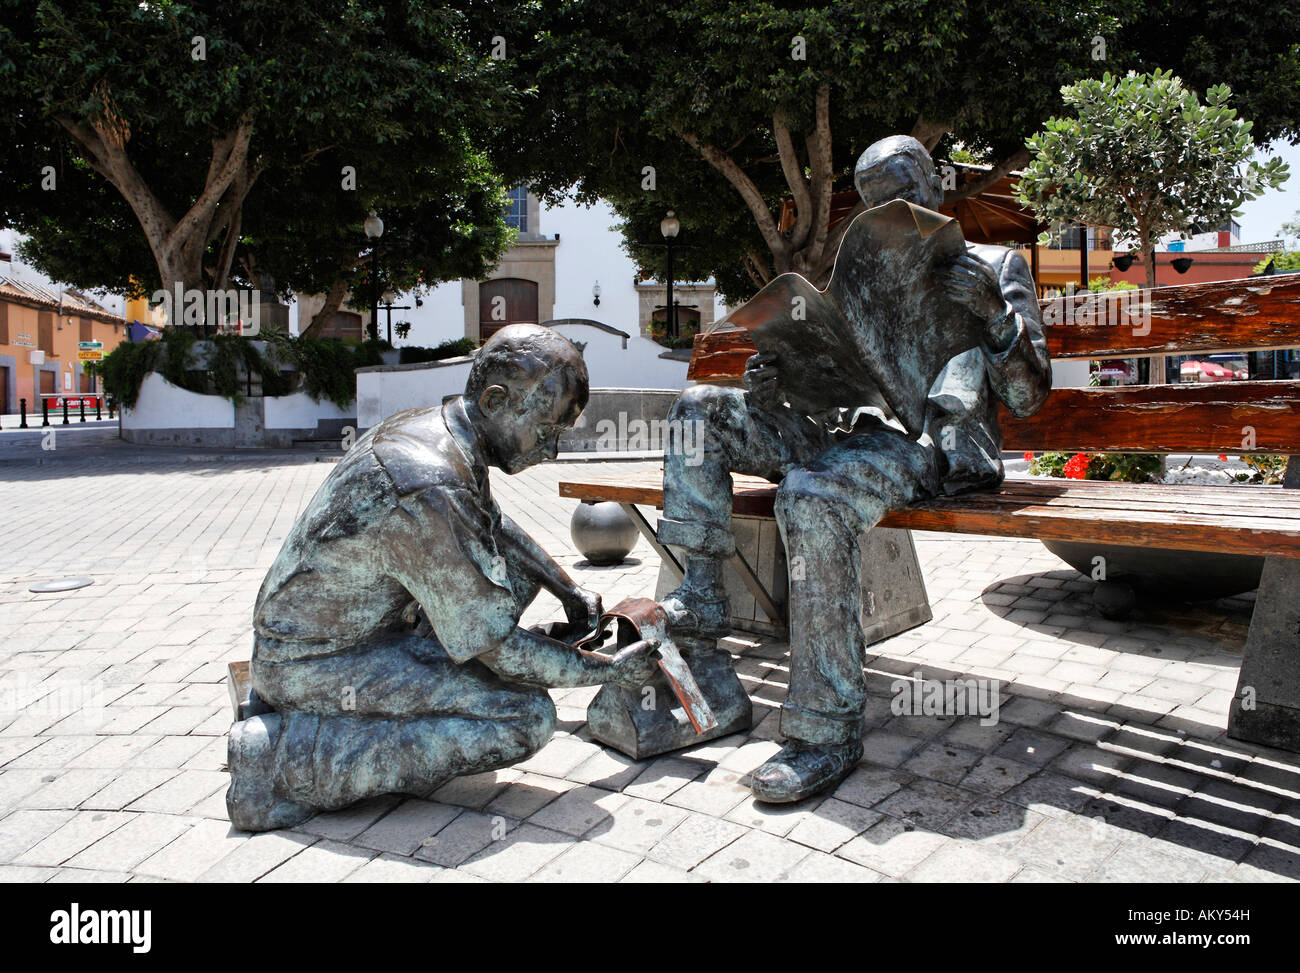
column 1108, row 762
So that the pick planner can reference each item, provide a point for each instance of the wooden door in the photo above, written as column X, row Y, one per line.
column 509, row 300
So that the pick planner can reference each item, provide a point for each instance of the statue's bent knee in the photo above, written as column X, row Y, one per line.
column 710, row 402
column 538, row 722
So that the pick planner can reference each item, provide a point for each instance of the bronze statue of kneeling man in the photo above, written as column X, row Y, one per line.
column 364, row 702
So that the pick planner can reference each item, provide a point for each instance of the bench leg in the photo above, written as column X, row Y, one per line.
column 666, row 557
column 1266, row 708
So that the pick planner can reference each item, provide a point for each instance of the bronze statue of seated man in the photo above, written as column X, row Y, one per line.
column 841, row 472
column 364, row 702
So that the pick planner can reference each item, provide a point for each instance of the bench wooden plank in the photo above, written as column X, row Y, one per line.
column 1142, row 528
column 1269, row 502
column 1249, row 314
column 1135, row 515
column 1274, row 501
column 1162, row 419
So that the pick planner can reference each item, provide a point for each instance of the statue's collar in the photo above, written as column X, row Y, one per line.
column 462, row 430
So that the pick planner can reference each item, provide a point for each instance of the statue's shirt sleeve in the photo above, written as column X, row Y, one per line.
column 439, row 545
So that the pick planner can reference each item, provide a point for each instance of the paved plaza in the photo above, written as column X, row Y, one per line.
column 1108, row 761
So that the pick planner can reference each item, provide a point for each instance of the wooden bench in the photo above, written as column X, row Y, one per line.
column 1253, row 314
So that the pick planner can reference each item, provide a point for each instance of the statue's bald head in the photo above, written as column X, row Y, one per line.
column 521, row 355
column 897, row 167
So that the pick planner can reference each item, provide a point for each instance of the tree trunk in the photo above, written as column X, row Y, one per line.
column 333, row 301
column 178, row 245
column 1156, row 374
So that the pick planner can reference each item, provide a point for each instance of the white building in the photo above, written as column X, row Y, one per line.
column 559, row 257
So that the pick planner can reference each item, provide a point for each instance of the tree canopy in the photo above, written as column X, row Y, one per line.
column 222, row 128
column 1141, row 154
column 721, row 109
column 251, row 138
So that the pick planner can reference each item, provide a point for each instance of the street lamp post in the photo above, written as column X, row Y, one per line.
column 670, row 226
column 389, row 307
column 388, row 299
column 374, row 228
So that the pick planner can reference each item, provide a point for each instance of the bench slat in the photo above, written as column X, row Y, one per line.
column 1156, row 419
column 1135, row 515
column 1274, row 500
column 1141, row 528
column 1249, row 314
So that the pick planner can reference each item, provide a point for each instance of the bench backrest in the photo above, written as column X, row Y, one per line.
column 1252, row 314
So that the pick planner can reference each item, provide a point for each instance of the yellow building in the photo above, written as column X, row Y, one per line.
column 39, row 333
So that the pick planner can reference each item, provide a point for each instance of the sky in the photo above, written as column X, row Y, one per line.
column 1262, row 218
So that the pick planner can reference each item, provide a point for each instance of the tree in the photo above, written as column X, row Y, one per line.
column 723, row 109
column 1284, row 262
column 442, row 221
column 159, row 141
column 1141, row 154
column 1291, row 229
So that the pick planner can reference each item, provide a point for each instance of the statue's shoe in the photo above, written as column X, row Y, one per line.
column 801, row 770
column 251, row 801
column 700, row 618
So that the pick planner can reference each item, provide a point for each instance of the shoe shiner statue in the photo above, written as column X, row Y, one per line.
column 357, row 698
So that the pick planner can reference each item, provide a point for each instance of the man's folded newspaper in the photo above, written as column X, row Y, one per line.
column 883, row 329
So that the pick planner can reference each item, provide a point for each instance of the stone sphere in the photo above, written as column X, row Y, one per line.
column 1114, row 599
column 602, row 532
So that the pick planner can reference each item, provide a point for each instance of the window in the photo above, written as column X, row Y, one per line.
column 517, row 209
column 1067, row 238
column 688, row 321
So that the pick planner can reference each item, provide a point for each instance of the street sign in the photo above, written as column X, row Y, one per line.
column 90, row 351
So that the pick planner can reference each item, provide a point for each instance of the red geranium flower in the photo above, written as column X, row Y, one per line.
column 1077, row 467
column 1029, row 456
column 1223, row 457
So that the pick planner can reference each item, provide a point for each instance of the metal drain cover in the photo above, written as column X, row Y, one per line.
column 60, row 584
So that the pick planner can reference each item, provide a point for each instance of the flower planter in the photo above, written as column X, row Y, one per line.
column 1157, row 573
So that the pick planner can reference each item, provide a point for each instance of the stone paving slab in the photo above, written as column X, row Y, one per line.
column 1107, row 762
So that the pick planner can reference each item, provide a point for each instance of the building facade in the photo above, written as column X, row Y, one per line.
column 41, row 326
column 40, row 330
column 567, row 263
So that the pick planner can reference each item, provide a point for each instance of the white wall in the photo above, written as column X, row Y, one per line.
column 610, row 365
column 383, row 390
column 591, row 250
column 301, row 411
column 1069, row 374
column 162, row 405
